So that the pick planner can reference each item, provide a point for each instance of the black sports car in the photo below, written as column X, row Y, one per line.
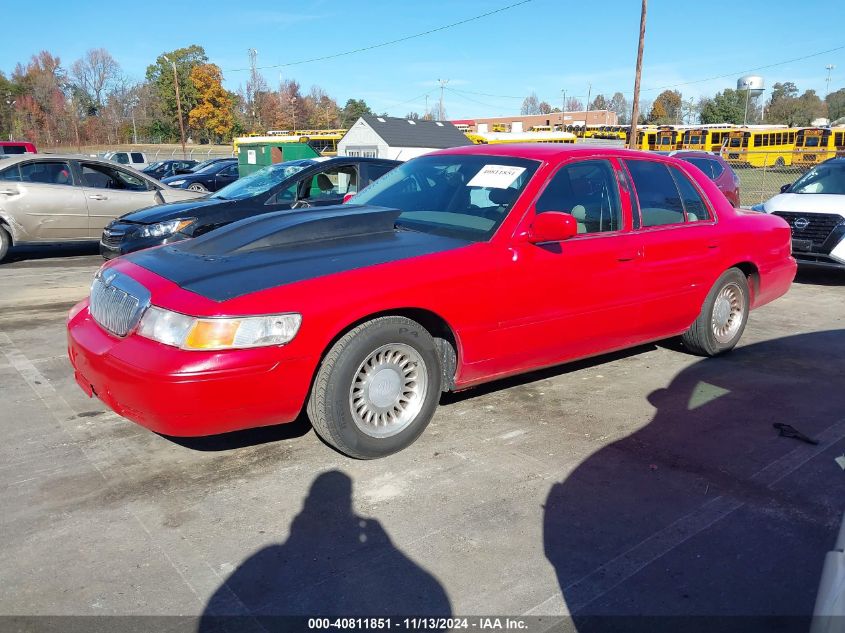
column 166, row 168
column 310, row 182
column 210, row 178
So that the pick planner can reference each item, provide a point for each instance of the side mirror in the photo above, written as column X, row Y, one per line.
column 552, row 226
column 347, row 197
column 785, row 188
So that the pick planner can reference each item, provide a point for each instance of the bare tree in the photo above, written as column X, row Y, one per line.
column 531, row 104
column 96, row 74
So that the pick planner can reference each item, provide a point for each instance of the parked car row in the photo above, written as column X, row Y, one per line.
column 450, row 270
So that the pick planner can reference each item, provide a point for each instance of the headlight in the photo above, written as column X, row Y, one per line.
column 160, row 229
column 193, row 333
column 759, row 207
column 176, row 183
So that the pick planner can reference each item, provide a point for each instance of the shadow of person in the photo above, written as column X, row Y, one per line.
column 706, row 519
column 333, row 563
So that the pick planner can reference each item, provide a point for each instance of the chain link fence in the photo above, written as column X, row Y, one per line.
column 153, row 151
column 762, row 173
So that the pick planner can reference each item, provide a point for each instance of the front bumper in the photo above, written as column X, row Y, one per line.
column 186, row 394
column 130, row 242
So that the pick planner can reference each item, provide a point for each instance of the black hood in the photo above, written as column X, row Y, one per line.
column 281, row 248
column 173, row 210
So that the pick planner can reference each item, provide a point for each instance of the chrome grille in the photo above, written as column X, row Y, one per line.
column 117, row 302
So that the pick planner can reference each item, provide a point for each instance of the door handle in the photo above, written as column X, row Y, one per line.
column 628, row 256
column 98, row 196
column 713, row 245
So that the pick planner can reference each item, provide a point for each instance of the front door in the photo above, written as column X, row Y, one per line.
column 42, row 199
column 225, row 176
column 111, row 192
column 578, row 297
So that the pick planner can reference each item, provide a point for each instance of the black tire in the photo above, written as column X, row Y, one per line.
column 330, row 406
column 5, row 243
column 780, row 162
column 702, row 337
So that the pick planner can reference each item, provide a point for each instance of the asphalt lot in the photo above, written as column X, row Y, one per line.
column 644, row 483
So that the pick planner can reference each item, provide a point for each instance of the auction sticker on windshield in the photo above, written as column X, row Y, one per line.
column 496, row 176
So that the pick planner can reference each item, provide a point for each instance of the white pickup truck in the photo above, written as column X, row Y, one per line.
column 136, row 160
column 814, row 207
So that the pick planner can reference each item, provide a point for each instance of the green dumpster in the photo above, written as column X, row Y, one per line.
column 254, row 156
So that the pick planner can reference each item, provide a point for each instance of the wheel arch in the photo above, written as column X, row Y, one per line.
column 11, row 227
column 445, row 337
column 752, row 274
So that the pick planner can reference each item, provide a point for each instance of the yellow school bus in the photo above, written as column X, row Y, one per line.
column 669, row 138
column 646, row 138
column 495, row 138
column 816, row 144
column 760, row 147
column 705, row 139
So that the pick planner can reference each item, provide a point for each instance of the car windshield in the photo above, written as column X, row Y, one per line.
column 824, row 178
column 463, row 196
column 153, row 166
column 211, row 168
column 262, row 180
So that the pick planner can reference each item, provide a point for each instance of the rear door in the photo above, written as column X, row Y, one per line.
column 680, row 246
column 42, row 198
column 225, row 176
column 111, row 192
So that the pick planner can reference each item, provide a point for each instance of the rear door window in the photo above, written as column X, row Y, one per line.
column 659, row 199
column 694, row 205
column 137, row 157
column 100, row 176
column 46, row 172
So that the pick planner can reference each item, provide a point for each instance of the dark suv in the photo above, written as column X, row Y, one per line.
column 310, row 182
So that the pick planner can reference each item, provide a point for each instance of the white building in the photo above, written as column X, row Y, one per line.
column 398, row 139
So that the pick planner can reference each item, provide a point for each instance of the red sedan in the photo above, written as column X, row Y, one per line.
column 457, row 268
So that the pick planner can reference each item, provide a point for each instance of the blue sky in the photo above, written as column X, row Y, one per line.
column 543, row 46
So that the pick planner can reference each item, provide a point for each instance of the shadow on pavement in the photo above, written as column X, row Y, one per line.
column 820, row 277
column 706, row 512
column 333, row 563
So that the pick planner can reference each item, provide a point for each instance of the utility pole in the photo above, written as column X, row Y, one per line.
column 443, row 83
column 133, row 105
column 747, row 97
column 253, row 84
column 178, row 104
column 829, row 67
column 426, row 116
column 635, row 113
column 587, row 112
column 563, row 107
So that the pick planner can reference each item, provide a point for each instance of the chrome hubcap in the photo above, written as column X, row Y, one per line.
column 388, row 390
column 727, row 313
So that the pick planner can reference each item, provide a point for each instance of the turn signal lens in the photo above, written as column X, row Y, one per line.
column 191, row 333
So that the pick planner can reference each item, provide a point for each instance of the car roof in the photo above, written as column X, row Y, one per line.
column 22, row 157
column 550, row 151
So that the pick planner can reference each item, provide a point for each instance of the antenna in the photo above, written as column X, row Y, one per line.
column 829, row 67
column 441, row 113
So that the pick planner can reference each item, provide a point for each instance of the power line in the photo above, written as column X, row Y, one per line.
column 388, row 43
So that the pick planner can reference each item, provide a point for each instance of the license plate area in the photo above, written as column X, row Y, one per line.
column 802, row 246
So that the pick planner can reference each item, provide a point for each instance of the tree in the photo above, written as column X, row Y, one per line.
column 95, row 75
column 835, row 102
column 619, row 105
column 413, row 116
column 42, row 104
column 788, row 108
column 212, row 116
column 545, row 108
column 160, row 75
column 666, row 108
column 727, row 106
column 352, row 111
column 574, row 104
column 530, row 105
column 599, row 103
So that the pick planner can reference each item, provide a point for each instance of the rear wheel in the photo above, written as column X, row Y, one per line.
column 196, row 186
column 377, row 388
column 5, row 243
column 723, row 316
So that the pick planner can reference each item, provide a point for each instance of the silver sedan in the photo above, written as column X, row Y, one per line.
column 56, row 198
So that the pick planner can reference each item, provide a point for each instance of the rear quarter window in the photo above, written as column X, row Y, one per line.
column 137, row 157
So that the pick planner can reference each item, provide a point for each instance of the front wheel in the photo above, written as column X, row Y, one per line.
column 723, row 316
column 5, row 243
column 195, row 186
column 377, row 388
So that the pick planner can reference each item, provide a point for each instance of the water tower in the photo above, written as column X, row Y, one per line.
column 754, row 86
